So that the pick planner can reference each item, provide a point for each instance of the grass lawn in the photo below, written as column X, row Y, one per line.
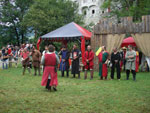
column 24, row 94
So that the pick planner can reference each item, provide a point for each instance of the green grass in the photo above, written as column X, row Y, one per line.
column 24, row 94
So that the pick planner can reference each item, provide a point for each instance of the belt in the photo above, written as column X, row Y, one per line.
column 50, row 65
column 36, row 61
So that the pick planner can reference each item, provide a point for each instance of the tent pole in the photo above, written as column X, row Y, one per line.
column 83, row 48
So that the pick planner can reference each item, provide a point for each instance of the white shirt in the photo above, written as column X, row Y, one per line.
column 43, row 58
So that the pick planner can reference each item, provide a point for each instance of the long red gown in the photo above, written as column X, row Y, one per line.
column 49, row 69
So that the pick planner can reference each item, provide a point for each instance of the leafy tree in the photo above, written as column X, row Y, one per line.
column 47, row 15
column 11, row 17
column 122, row 8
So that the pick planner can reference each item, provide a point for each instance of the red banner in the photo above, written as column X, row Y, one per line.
column 38, row 44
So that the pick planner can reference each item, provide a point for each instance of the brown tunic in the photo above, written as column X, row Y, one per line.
column 36, row 58
column 26, row 59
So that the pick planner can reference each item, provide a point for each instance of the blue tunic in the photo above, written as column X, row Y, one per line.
column 65, row 56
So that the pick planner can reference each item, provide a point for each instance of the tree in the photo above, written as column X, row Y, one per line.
column 122, row 8
column 5, row 36
column 47, row 15
column 12, row 14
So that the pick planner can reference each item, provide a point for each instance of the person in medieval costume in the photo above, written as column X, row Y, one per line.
column 5, row 58
column 75, row 61
column 45, row 51
column 49, row 78
column 115, row 60
column 130, row 62
column 10, row 56
column 88, row 63
column 64, row 64
column 25, row 61
column 50, row 60
column 103, row 59
column 36, row 59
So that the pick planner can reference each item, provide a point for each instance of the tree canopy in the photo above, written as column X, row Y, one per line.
column 47, row 15
column 122, row 8
column 20, row 17
column 11, row 17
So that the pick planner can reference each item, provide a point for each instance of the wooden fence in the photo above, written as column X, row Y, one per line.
column 107, row 27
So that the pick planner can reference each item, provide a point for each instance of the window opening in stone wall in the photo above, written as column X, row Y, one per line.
column 93, row 11
column 84, row 12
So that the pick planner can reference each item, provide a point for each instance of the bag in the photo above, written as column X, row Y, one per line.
column 109, row 64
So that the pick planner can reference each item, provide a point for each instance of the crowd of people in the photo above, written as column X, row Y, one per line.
column 64, row 60
column 50, row 60
column 8, row 55
column 11, row 54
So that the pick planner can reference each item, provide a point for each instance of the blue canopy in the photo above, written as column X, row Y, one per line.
column 69, row 31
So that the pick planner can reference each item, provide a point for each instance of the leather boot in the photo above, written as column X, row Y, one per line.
column 79, row 75
column 35, row 70
column 101, row 78
column 67, row 74
column 48, row 85
column 24, row 69
column 85, row 75
column 39, row 70
column 92, row 72
column 134, row 77
column 74, row 75
column 62, row 74
column 127, row 73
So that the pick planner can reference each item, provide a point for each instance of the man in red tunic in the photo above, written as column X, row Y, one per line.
column 103, row 58
column 50, row 61
column 88, row 63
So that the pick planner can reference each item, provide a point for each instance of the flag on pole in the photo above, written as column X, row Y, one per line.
column 98, row 51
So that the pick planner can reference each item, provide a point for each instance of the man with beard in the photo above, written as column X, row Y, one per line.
column 89, row 57
column 64, row 64
column 75, row 61
column 130, row 62
column 36, row 58
column 115, row 60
